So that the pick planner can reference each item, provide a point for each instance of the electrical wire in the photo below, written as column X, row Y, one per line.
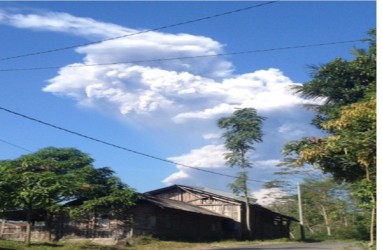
column 140, row 32
column 16, row 146
column 185, row 57
column 117, row 146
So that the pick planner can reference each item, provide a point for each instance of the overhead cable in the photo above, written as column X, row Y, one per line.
column 140, row 32
column 119, row 147
column 184, row 57
column 15, row 146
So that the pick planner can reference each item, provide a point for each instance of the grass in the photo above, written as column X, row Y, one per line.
column 16, row 245
column 138, row 243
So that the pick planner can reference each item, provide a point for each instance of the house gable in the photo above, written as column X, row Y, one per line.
column 217, row 203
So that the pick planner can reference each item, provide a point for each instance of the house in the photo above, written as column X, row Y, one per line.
column 176, row 220
column 154, row 216
column 177, row 212
column 265, row 223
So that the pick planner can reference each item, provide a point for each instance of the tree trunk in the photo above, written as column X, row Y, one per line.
column 373, row 209
column 372, row 222
column 28, row 232
column 48, row 223
column 248, row 217
column 326, row 219
column 346, row 223
column 94, row 224
column 247, row 205
column 306, row 225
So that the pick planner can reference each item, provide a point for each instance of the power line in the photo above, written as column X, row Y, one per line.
column 117, row 146
column 141, row 32
column 186, row 57
column 16, row 146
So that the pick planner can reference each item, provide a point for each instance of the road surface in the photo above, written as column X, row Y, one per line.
column 300, row 246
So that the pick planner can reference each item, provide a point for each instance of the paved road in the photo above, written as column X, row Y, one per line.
column 300, row 246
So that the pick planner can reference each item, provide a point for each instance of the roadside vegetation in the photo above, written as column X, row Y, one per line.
column 339, row 169
column 139, row 243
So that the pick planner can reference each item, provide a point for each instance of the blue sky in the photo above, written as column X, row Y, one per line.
column 166, row 109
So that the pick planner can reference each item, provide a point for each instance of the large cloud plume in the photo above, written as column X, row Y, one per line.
column 171, row 92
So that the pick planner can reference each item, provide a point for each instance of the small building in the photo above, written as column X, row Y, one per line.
column 152, row 216
column 177, row 212
column 265, row 223
column 176, row 220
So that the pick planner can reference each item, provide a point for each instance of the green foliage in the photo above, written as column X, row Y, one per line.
column 6, row 187
column 344, row 216
column 42, row 179
column 342, row 82
column 99, row 188
column 52, row 177
column 348, row 116
column 243, row 129
column 240, row 183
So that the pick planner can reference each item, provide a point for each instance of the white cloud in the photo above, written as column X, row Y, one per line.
column 290, row 130
column 208, row 157
column 176, row 177
column 217, row 111
column 267, row 164
column 185, row 90
column 265, row 90
column 210, row 136
column 63, row 22
column 174, row 93
column 268, row 196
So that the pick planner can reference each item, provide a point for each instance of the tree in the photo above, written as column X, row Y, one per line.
column 349, row 119
column 243, row 129
column 51, row 177
column 330, row 210
column 41, row 180
column 101, row 189
column 355, row 135
column 6, row 187
column 340, row 82
column 323, row 200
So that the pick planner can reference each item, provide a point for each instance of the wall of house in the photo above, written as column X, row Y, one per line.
column 174, row 224
column 11, row 231
column 266, row 225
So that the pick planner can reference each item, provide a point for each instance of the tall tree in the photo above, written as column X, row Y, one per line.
column 243, row 129
column 349, row 119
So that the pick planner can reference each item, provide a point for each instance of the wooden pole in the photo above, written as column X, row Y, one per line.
column 302, row 232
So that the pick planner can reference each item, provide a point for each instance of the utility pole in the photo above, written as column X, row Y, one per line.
column 302, row 232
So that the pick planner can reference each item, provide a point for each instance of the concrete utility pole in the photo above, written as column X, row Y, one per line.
column 302, row 232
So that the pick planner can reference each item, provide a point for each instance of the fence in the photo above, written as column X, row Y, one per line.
column 17, row 231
